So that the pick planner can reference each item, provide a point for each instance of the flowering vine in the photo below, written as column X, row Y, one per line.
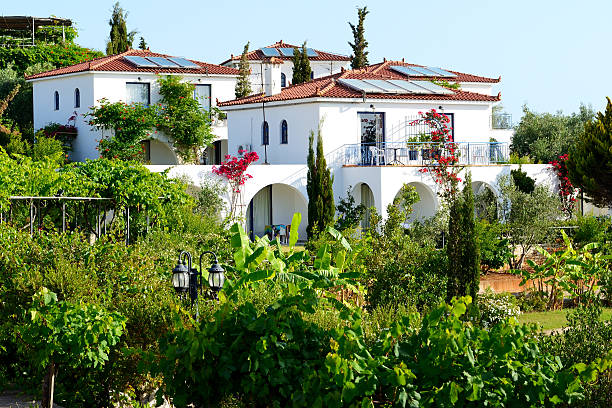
column 234, row 170
column 567, row 192
column 444, row 155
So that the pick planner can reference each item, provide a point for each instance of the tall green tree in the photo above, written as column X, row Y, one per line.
column 120, row 40
column 321, row 206
column 462, row 250
column 143, row 44
column 545, row 136
column 359, row 58
column 590, row 161
column 301, row 65
column 243, row 86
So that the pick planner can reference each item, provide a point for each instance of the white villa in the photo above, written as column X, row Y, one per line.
column 322, row 64
column 130, row 77
column 366, row 118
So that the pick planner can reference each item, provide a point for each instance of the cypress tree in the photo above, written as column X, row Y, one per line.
column 319, row 186
column 359, row 59
column 306, row 70
column 462, row 250
column 297, row 77
column 326, row 191
column 120, row 40
column 590, row 161
column 311, row 186
column 243, row 86
column 301, row 65
column 142, row 44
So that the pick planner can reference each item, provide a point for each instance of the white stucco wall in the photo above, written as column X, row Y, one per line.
column 319, row 69
column 289, row 185
column 110, row 85
column 341, row 126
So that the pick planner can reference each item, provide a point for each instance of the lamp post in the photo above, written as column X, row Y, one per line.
column 187, row 279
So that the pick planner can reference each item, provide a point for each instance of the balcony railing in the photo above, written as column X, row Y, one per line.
column 422, row 154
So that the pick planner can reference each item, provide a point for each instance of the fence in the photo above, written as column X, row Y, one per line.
column 419, row 154
column 91, row 215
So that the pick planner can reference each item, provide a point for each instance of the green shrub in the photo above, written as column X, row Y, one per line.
column 586, row 338
column 494, row 250
column 131, row 280
column 591, row 229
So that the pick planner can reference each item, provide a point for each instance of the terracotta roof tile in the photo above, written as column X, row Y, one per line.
column 329, row 87
column 257, row 55
column 117, row 63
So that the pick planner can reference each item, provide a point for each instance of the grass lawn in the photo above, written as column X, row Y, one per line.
column 554, row 319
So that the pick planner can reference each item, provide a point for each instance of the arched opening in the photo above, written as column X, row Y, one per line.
column 284, row 132
column 283, row 80
column 77, row 98
column 363, row 195
column 56, row 101
column 425, row 207
column 486, row 201
column 157, row 152
column 271, row 210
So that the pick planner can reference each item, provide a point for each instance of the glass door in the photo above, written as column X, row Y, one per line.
column 372, row 136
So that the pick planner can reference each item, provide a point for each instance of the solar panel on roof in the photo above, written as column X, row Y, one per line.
column 433, row 87
column 441, row 72
column 361, row 86
column 410, row 87
column 163, row 62
column 405, row 70
column 185, row 63
column 311, row 53
column 140, row 62
column 287, row 51
column 424, row 71
column 270, row 52
column 386, row 86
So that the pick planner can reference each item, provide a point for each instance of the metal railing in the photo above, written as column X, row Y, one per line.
column 420, row 154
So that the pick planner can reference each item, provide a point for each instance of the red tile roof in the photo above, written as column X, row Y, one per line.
column 117, row 63
column 329, row 87
column 257, row 55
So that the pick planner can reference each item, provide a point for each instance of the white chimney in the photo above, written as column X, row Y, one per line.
column 272, row 76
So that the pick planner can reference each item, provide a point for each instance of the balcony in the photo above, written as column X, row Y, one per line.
column 422, row 154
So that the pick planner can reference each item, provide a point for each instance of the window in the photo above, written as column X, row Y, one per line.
column 311, row 74
column 201, row 93
column 265, row 134
column 283, row 80
column 56, row 100
column 284, row 132
column 138, row 92
column 77, row 98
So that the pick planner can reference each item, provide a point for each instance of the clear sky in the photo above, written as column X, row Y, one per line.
column 551, row 55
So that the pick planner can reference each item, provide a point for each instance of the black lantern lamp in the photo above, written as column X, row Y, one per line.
column 180, row 273
column 216, row 277
column 186, row 279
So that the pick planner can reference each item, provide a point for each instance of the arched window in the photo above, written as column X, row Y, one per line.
column 284, row 132
column 311, row 74
column 283, row 80
column 56, row 100
column 265, row 134
column 77, row 98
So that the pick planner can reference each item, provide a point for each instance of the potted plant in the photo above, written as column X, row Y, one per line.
column 416, row 141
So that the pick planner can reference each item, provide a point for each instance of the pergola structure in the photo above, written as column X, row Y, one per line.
column 31, row 23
